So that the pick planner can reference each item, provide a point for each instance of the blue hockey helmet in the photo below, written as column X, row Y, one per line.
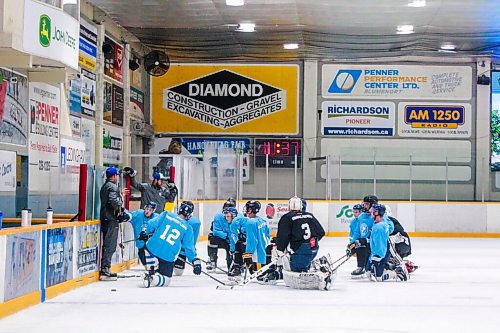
column 186, row 208
column 230, row 210
column 378, row 209
column 304, row 205
column 358, row 207
column 230, row 202
column 152, row 205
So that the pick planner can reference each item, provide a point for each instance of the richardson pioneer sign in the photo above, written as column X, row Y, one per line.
column 228, row 99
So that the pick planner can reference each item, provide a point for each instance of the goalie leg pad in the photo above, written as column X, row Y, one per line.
column 308, row 280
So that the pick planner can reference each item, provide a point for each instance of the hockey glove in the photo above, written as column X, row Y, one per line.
column 196, row 266
column 124, row 217
column 143, row 236
column 350, row 247
column 129, row 171
column 247, row 259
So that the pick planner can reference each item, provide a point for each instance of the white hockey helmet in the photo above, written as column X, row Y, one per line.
column 295, row 203
column 388, row 210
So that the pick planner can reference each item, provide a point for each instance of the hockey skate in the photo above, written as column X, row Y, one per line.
column 106, row 275
column 270, row 277
column 234, row 273
column 358, row 273
column 211, row 266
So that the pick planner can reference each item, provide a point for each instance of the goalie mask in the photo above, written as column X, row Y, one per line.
column 295, row 203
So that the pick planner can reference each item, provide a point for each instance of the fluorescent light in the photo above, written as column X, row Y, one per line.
column 448, row 47
column 417, row 3
column 235, row 2
column 246, row 27
column 291, row 46
column 405, row 29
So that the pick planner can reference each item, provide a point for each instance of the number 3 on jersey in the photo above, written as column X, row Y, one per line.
column 172, row 236
column 307, row 231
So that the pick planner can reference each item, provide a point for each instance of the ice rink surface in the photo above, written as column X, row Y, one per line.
column 456, row 289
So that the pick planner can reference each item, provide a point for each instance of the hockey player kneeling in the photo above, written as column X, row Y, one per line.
column 302, row 231
column 167, row 234
column 379, row 241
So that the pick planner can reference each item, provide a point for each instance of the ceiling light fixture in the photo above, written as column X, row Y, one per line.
column 405, row 29
column 448, row 47
column 246, row 27
column 235, row 2
column 291, row 46
column 417, row 3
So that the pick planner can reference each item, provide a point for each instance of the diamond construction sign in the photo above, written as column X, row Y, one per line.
column 238, row 99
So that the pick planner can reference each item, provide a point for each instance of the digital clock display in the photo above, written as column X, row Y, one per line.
column 281, row 153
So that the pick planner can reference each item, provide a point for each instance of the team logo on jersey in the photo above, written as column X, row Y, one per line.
column 344, row 81
column 224, row 99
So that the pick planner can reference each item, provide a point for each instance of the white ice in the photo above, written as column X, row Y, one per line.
column 456, row 289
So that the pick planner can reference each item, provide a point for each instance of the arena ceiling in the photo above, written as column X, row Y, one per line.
column 323, row 29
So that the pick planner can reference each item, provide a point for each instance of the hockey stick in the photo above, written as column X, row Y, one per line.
column 220, row 269
column 222, row 283
column 343, row 262
column 336, row 261
column 254, row 275
column 125, row 242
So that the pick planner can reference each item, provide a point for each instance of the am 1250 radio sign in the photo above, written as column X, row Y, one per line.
column 435, row 120
column 281, row 153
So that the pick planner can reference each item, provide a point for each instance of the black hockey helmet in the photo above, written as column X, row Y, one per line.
column 252, row 206
column 230, row 202
column 371, row 199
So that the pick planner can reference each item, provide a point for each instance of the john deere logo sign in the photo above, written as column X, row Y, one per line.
column 224, row 99
column 44, row 30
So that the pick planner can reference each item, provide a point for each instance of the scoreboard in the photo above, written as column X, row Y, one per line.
column 281, row 153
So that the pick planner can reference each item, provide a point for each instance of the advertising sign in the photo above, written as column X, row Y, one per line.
column 108, row 101
column 22, row 264
column 136, row 104
column 88, row 93
column 88, row 45
column 113, row 60
column 221, row 98
column 76, row 126
column 112, row 146
column 434, row 120
column 7, row 171
column 88, row 137
column 75, row 95
column 117, row 105
column 43, row 149
column 13, row 108
column 59, row 256
column 273, row 214
column 397, row 82
column 72, row 155
column 358, row 118
column 495, row 121
column 50, row 33
column 87, row 249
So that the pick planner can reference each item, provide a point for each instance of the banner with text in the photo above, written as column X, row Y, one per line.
column 235, row 99
column 87, row 249
column 397, row 82
column 88, row 45
column 22, row 264
column 7, row 171
column 88, row 92
column 13, row 107
column 358, row 118
column 88, row 137
column 59, row 266
column 72, row 155
column 112, row 146
column 435, row 120
column 43, row 150
column 113, row 60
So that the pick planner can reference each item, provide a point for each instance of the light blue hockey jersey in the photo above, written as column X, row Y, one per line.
column 237, row 227
column 220, row 226
column 194, row 223
column 139, row 222
column 389, row 223
column 379, row 239
column 257, row 238
column 170, row 234
column 360, row 227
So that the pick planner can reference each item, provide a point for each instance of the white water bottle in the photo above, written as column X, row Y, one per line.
column 50, row 215
column 24, row 218
column 30, row 217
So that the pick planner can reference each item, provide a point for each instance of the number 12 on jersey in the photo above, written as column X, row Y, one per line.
column 172, row 236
